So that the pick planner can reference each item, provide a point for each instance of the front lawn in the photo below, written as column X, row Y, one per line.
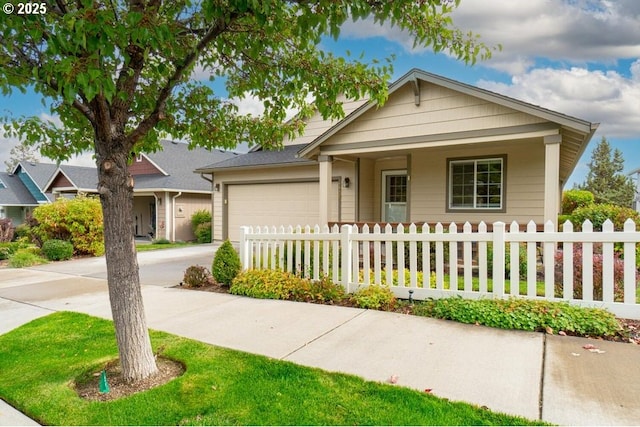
column 40, row 361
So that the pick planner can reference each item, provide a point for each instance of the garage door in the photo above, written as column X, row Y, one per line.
column 285, row 204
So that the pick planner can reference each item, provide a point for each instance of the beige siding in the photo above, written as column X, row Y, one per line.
column 366, row 189
column 440, row 111
column 186, row 206
column 316, row 126
column 524, row 183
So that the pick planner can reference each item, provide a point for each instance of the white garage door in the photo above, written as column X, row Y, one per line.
column 291, row 203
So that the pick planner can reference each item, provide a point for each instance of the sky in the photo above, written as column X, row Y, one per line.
column 577, row 57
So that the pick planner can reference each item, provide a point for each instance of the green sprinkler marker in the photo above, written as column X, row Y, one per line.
column 104, row 385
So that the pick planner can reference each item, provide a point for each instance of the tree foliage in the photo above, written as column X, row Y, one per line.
column 121, row 74
column 606, row 179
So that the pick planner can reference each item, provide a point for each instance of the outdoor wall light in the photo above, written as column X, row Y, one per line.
column 347, row 182
column 216, row 187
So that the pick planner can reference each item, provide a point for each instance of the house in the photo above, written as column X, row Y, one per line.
column 166, row 191
column 437, row 151
column 22, row 190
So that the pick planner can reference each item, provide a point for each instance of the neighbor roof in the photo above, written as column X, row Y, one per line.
column 14, row 193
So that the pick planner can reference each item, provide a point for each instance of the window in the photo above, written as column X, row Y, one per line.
column 476, row 184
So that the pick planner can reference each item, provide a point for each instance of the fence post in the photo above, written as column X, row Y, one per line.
column 629, row 265
column 347, row 248
column 498, row 258
column 244, row 247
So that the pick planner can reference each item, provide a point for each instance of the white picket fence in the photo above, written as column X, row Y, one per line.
column 439, row 262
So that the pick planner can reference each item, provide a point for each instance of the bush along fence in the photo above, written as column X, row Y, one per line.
column 589, row 267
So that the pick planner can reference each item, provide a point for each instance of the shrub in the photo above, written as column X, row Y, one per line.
column 77, row 220
column 9, row 248
column 203, row 232
column 599, row 213
column 197, row 276
column 374, row 297
column 522, row 259
column 523, row 314
column 618, row 274
column 573, row 199
column 6, row 230
column 266, row 284
column 57, row 250
column 200, row 217
column 278, row 284
column 25, row 258
column 226, row 264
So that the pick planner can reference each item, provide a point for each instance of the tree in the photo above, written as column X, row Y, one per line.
column 19, row 153
column 606, row 179
column 120, row 74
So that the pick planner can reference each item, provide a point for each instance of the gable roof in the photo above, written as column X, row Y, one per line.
column 580, row 130
column 174, row 161
column 14, row 192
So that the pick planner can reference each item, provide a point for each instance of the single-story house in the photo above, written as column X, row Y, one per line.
column 166, row 192
column 437, row 151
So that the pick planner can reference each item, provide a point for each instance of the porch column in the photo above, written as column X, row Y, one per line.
column 168, row 221
column 552, row 178
column 325, row 172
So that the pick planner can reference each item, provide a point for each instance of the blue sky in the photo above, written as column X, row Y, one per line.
column 578, row 57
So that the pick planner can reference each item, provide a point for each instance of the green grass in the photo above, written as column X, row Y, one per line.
column 144, row 247
column 40, row 360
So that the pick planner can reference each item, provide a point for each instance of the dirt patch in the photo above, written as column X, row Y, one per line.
column 119, row 388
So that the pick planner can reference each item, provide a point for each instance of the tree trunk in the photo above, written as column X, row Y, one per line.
column 116, row 194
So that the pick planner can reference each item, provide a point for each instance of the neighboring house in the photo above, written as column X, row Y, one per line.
column 635, row 175
column 437, row 151
column 166, row 191
column 15, row 200
column 23, row 189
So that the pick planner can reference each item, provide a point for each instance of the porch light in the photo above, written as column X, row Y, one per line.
column 216, row 187
column 347, row 182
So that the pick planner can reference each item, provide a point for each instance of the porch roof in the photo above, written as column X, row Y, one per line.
column 263, row 158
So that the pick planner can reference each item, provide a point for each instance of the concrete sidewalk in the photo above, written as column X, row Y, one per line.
column 529, row 374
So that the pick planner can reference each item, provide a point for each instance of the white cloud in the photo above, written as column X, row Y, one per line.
column 606, row 97
column 574, row 32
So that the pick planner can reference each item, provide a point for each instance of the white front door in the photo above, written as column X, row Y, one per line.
column 394, row 196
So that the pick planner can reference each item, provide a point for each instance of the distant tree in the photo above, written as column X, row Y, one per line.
column 606, row 180
column 19, row 153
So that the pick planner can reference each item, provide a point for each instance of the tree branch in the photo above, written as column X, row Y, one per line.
column 181, row 67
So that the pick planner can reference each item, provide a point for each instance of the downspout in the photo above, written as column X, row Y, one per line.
column 155, row 221
column 173, row 216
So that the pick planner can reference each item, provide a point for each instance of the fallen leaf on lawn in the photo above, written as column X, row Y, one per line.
column 393, row 379
column 428, row 390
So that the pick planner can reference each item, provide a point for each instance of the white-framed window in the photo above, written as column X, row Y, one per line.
column 476, row 184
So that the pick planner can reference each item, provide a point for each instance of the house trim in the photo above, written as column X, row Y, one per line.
column 448, row 139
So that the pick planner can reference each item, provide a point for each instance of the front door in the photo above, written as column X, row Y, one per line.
column 394, row 196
